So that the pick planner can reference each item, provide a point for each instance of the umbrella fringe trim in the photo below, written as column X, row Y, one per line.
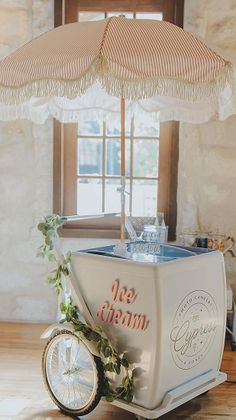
column 184, row 90
column 131, row 89
column 48, row 87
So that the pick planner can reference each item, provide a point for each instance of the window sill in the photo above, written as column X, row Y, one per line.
column 76, row 232
column 104, row 228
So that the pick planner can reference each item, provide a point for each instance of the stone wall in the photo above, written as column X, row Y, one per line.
column 207, row 162
column 25, row 182
column 206, row 184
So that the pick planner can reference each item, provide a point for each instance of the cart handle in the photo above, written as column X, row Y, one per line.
column 76, row 217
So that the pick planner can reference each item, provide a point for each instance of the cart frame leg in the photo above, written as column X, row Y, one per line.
column 178, row 396
column 233, row 339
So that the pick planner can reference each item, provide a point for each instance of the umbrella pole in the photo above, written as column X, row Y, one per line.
column 122, row 225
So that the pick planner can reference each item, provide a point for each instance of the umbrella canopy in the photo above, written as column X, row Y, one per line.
column 116, row 66
column 79, row 69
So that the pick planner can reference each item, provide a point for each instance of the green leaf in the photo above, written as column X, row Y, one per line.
column 52, row 258
column 110, row 398
column 94, row 336
column 129, row 397
column 124, row 362
column 105, row 348
column 40, row 254
column 107, row 351
column 68, row 257
column 48, row 241
column 109, row 367
column 41, row 226
column 79, row 327
column 65, row 271
column 63, row 307
column 125, row 381
column 120, row 390
column 99, row 346
column 135, row 372
column 117, row 368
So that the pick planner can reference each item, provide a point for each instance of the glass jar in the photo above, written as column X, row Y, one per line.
column 151, row 233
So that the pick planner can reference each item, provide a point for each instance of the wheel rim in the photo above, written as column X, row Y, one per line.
column 71, row 372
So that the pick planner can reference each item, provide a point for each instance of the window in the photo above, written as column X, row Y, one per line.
column 87, row 154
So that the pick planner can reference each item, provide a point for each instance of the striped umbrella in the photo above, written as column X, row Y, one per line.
column 137, row 59
column 81, row 69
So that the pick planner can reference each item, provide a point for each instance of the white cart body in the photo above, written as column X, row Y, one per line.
column 169, row 318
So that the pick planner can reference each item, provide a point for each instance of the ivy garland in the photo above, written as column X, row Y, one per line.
column 112, row 361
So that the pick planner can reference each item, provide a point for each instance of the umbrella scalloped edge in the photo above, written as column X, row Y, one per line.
column 137, row 88
column 169, row 87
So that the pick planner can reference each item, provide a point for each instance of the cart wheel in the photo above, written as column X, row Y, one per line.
column 73, row 376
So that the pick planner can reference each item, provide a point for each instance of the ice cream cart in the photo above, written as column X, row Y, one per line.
column 166, row 309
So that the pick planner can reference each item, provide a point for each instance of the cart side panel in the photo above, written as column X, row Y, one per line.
column 193, row 318
column 123, row 297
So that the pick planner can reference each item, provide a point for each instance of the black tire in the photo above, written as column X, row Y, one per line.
column 55, row 359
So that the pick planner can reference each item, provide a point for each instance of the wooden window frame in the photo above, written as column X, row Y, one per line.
column 65, row 158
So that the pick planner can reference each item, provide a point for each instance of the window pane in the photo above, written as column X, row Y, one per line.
column 89, row 157
column 144, row 201
column 90, row 16
column 127, row 15
column 141, row 129
column 112, row 196
column 145, row 158
column 89, row 196
column 113, row 157
column 155, row 16
column 115, row 129
column 90, row 128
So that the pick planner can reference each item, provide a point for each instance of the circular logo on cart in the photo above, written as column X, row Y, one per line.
column 194, row 328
